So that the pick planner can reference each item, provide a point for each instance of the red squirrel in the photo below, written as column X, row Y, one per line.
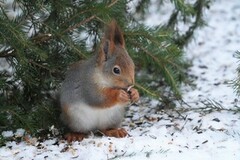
column 95, row 92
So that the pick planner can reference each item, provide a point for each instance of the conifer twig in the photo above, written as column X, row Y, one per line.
column 112, row 3
column 79, row 24
column 39, row 65
column 146, row 90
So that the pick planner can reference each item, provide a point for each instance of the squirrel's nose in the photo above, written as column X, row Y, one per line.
column 131, row 82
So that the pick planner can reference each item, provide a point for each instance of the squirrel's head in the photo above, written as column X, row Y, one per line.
column 113, row 61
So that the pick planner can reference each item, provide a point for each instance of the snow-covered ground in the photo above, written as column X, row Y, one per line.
column 214, row 64
column 184, row 133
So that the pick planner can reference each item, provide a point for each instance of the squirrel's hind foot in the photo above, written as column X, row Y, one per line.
column 70, row 137
column 118, row 132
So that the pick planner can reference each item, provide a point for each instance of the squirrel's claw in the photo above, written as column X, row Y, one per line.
column 70, row 137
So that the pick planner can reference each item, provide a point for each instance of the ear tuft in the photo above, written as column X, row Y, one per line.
column 114, row 34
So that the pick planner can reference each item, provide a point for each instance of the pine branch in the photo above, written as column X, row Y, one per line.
column 198, row 7
column 167, row 74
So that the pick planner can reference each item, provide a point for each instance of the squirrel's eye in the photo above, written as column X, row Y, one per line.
column 116, row 70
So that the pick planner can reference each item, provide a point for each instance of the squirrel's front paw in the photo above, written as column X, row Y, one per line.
column 123, row 97
column 134, row 95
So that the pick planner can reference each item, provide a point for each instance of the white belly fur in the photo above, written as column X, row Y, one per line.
column 83, row 118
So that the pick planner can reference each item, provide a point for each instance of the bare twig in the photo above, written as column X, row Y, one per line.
column 42, row 38
column 7, row 53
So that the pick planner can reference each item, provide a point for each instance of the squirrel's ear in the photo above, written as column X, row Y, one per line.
column 104, row 51
column 114, row 34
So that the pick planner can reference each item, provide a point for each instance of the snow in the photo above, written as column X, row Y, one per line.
column 7, row 134
column 185, row 133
